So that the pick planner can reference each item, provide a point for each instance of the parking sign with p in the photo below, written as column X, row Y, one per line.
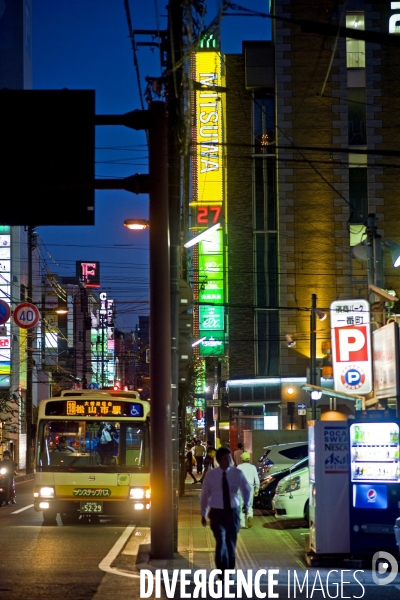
column 351, row 346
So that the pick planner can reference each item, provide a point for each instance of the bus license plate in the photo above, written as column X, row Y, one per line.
column 91, row 507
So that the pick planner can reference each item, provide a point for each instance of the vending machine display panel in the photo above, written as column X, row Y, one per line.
column 370, row 496
column 375, row 452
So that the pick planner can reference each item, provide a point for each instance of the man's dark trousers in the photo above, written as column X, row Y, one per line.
column 225, row 525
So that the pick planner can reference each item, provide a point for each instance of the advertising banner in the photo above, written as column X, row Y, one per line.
column 385, row 353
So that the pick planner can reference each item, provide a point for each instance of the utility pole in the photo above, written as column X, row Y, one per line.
column 313, row 351
column 29, row 362
column 174, row 85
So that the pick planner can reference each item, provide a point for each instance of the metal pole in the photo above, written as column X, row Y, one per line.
column 174, row 104
column 313, row 350
column 162, row 526
column 102, row 349
column 84, row 309
column 29, row 363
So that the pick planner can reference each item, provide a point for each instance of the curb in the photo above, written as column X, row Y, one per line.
column 19, row 478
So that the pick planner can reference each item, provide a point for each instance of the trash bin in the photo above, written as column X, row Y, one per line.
column 397, row 532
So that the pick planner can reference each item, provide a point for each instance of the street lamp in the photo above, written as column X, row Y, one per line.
column 370, row 250
column 137, row 224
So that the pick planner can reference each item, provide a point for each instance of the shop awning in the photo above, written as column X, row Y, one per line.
column 328, row 392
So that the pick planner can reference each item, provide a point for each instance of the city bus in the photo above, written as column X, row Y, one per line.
column 93, row 456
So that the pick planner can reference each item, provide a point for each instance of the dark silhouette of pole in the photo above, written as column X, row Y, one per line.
column 174, row 86
column 29, row 363
column 313, row 351
column 162, row 513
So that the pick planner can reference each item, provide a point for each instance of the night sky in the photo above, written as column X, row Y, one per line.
column 85, row 44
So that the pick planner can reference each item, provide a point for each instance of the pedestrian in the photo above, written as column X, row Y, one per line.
column 220, row 497
column 209, row 459
column 237, row 454
column 250, row 472
column 199, row 452
column 189, row 463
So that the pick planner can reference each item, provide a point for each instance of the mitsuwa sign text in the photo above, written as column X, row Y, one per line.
column 351, row 346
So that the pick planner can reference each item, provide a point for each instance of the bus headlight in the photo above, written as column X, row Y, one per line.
column 46, row 492
column 139, row 493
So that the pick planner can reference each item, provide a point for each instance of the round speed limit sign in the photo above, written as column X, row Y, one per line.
column 26, row 315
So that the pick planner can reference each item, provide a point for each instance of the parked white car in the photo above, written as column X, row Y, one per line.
column 291, row 500
column 281, row 456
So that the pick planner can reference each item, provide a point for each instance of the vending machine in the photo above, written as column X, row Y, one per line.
column 328, row 452
column 374, row 481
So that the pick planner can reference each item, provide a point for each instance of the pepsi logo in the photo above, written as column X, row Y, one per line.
column 371, row 495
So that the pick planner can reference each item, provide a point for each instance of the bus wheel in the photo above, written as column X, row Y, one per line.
column 49, row 517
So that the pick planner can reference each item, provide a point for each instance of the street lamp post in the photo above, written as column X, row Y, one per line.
column 161, row 464
column 162, row 530
column 313, row 351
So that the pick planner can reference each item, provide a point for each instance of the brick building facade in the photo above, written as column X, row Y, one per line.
column 306, row 118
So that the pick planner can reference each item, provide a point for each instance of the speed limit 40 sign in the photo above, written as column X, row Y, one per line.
column 26, row 315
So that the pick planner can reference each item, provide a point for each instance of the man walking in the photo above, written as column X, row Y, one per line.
column 199, row 452
column 219, row 495
column 238, row 454
column 250, row 472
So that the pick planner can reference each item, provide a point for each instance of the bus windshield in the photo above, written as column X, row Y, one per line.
column 105, row 446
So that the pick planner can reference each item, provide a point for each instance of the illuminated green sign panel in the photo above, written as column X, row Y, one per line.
column 212, row 291
column 213, row 244
column 213, row 345
column 211, row 317
column 211, row 265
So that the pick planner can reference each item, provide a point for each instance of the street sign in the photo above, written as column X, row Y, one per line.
column 301, row 409
column 5, row 312
column 351, row 346
column 93, row 386
column 210, row 403
column 26, row 315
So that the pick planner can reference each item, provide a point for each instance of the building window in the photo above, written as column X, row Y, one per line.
column 356, row 101
column 358, row 195
column 267, row 343
column 264, row 194
column 355, row 49
column 264, row 123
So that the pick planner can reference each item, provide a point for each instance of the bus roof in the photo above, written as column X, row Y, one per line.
column 101, row 394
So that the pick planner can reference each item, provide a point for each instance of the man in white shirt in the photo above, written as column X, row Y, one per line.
column 198, row 452
column 250, row 472
column 220, row 496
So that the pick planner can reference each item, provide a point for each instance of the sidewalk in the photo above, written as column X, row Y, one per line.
column 267, row 545
column 22, row 476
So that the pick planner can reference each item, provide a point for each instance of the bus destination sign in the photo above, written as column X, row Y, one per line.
column 94, row 408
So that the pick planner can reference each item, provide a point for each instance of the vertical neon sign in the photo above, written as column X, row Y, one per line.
column 207, row 207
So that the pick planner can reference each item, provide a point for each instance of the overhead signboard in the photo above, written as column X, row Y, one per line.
column 351, row 346
column 48, row 136
column 88, row 273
